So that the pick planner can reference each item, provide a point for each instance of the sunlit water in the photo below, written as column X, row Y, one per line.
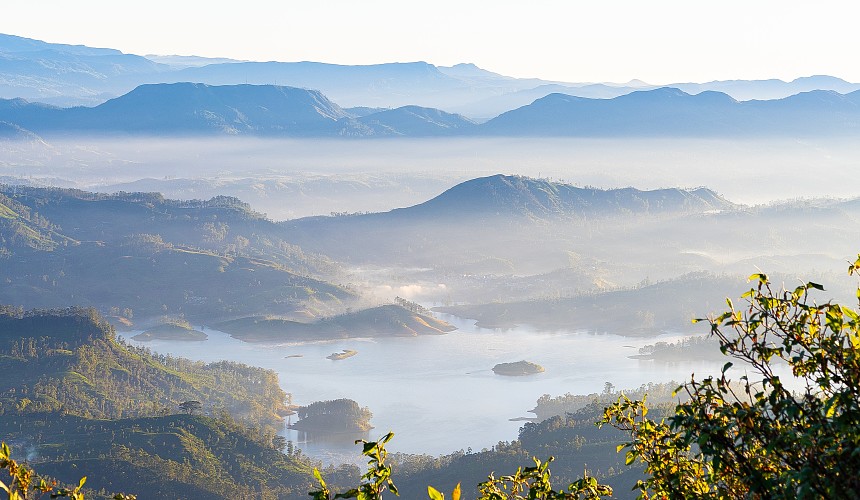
column 438, row 393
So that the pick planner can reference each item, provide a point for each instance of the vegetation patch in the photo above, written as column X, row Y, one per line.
column 337, row 356
column 517, row 369
column 333, row 417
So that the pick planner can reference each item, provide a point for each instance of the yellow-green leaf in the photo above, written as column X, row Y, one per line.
column 434, row 494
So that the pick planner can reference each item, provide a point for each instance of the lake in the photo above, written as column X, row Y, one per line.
column 438, row 393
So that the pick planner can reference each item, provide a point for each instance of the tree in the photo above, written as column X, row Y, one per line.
column 189, row 407
column 764, row 437
column 279, row 442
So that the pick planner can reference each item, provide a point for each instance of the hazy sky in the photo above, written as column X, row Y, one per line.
column 659, row 41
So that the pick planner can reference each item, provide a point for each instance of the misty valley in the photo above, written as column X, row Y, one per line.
column 212, row 288
column 407, row 312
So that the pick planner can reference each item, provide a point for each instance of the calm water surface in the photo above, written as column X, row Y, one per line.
column 438, row 393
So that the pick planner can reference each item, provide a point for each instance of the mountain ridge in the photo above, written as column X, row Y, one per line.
column 197, row 109
column 65, row 74
column 461, row 224
column 506, row 195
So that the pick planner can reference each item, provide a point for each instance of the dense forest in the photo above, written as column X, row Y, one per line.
column 332, row 417
column 74, row 398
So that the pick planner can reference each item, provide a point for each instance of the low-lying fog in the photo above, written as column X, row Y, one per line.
column 630, row 280
column 294, row 178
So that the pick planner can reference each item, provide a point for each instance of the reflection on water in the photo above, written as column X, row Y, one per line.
column 438, row 393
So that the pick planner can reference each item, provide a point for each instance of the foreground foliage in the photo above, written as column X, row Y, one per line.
column 533, row 482
column 24, row 483
column 374, row 482
column 795, row 435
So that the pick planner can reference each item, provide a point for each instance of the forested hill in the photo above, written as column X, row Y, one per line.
column 519, row 196
column 67, row 328
column 150, row 256
column 75, row 399
column 70, row 360
column 87, row 216
column 499, row 215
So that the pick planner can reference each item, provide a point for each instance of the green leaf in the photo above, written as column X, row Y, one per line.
column 353, row 493
column 434, row 494
column 630, row 458
column 760, row 277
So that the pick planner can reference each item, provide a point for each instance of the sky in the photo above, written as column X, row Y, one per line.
column 574, row 41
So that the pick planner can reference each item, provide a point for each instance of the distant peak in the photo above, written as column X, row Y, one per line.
column 637, row 83
column 664, row 90
column 818, row 77
column 516, row 195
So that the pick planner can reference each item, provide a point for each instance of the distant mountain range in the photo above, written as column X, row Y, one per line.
column 67, row 75
column 198, row 109
column 673, row 112
column 77, row 75
column 272, row 111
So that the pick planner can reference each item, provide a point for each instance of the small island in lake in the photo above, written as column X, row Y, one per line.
column 174, row 330
column 332, row 417
column 337, row 356
column 517, row 369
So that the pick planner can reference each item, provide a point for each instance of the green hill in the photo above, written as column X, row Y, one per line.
column 145, row 255
column 175, row 456
column 381, row 321
column 70, row 361
column 76, row 401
